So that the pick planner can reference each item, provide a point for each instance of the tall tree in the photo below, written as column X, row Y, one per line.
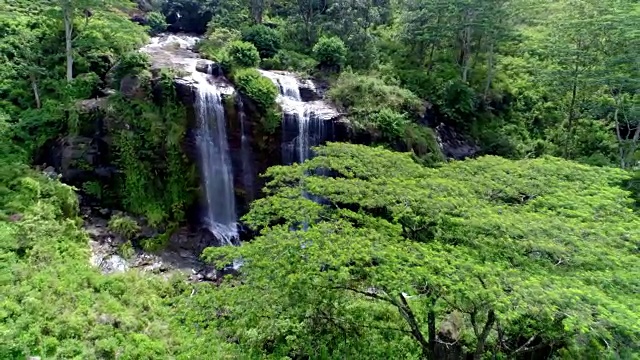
column 71, row 11
column 488, row 256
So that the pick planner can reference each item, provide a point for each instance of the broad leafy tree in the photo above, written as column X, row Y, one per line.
column 480, row 257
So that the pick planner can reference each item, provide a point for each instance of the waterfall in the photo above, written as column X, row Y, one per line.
column 211, row 138
column 301, row 127
column 246, row 157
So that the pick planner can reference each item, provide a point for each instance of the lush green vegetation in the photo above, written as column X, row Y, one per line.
column 529, row 252
column 495, row 257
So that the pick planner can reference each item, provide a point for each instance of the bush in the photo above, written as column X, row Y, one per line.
column 124, row 226
column 243, row 54
column 422, row 141
column 257, row 87
column 390, row 122
column 219, row 37
column 156, row 22
column 330, row 52
column 367, row 94
column 291, row 61
column 267, row 40
column 131, row 63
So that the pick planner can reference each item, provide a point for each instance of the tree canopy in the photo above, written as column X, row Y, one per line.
column 526, row 250
column 486, row 256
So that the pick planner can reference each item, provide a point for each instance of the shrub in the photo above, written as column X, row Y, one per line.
column 219, row 37
column 291, row 61
column 124, row 226
column 367, row 94
column 390, row 122
column 131, row 63
column 126, row 250
column 257, row 87
column 156, row 22
column 330, row 52
column 267, row 40
column 243, row 54
column 424, row 144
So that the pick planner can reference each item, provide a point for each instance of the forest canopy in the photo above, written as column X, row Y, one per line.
column 527, row 249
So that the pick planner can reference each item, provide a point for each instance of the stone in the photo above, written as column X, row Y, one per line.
column 131, row 87
column 309, row 91
column 113, row 264
column 209, row 67
column 15, row 217
column 77, row 155
column 453, row 144
column 50, row 172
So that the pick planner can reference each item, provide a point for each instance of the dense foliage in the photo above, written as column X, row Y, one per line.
column 482, row 257
column 529, row 252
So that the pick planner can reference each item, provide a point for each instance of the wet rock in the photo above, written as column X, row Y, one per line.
column 453, row 144
column 113, row 264
column 209, row 67
column 309, row 91
column 50, row 172
column 77, row 156
column 185, row 91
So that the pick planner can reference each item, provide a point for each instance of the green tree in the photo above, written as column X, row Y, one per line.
column 330, row 52
column 480, row 257
column 71, row 11
column 243, row 54
column 267, row 40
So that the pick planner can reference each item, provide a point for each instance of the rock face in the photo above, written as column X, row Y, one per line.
column 180, row 255
column 454, row 145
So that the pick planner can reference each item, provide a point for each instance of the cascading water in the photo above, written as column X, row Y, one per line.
column 211, row 138
column 299, row 120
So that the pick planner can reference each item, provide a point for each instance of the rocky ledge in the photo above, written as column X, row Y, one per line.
column 180, row 257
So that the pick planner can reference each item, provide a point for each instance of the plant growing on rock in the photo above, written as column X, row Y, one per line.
column 257, row 87
column 124, row 226
column 156, row 22
column 243, row 54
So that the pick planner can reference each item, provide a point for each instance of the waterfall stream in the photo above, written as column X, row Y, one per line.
column 211, row 138
column 219, row 214
column 299, row 119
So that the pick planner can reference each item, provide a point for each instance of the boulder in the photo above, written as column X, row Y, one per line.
column 113, row 264
column 309, row 91
column 209, row 67
column 77, row 157
column 131, row 86
column 453, row 144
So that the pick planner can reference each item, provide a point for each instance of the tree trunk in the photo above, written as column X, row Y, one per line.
column 431, row 324
column 430, row 61
column 489, row 72
column 482, row 338
column 572, row 104
column 407, row 314
column 465, row 53
column 68, row 38
column 36, row 93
